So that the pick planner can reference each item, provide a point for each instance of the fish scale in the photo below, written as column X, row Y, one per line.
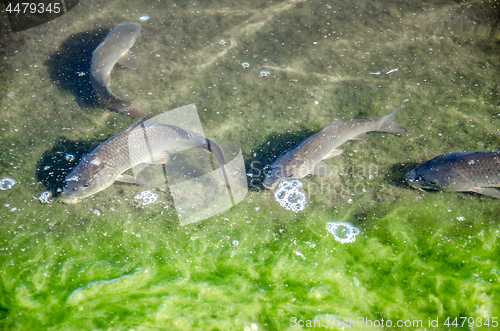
column 147, row 141
column 142, row 142
column 115, row 49
column 477, row 171
column 302, row 159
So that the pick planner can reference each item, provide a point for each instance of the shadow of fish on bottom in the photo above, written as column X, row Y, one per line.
column 142, row 142
column 477, row 172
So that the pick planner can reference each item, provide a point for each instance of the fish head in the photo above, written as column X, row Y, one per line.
column 287, row 166
column 274, row 175
column 438, row 176
column 87, row 178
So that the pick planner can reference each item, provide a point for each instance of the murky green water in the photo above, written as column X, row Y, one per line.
column 107, row 264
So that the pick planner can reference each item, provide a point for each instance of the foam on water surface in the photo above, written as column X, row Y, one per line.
column 343, row 232
column 289, row 195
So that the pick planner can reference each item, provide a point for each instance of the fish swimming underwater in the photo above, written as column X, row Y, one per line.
column 115, row 49
column 106, row 164
column 477, row 171
column 306, row 158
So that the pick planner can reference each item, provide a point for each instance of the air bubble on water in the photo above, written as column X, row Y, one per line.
column 235, row 242
column 257, row 208
column 355, row 281
column 328, row 7
column 157, row 55
column 97, row 212
column 245, row 65
column 69, row 157
column 343, row 232
column 7, row 183
column 264, row 73
column 222, row 42
column 461, row 218
column 289, row 195
column 45, row 196
column 146, row 197
column 144, row 18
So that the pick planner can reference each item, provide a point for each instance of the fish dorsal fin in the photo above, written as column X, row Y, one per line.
column 137, row 123
column 362, row 136
column 128, row 60
column 321, row 169
column 489, row 191
column 334, row 153
column 335, row 121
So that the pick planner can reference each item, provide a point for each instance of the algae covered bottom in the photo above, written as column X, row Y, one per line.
column 284, row 70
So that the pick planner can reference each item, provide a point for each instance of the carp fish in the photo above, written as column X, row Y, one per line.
column 306, row 158
column 115, row 49
column 477, row 172
column 142, row 142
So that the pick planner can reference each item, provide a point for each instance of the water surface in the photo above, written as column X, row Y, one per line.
column 110, row 263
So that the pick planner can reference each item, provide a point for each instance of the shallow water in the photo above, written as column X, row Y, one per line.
column 110, row 262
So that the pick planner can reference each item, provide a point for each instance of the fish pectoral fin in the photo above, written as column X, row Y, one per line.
column 159, row 158
column 321, row 169
column 335, row 152
column 362, row 136
column 489, row 191
column 131, row 179
column 129, row 61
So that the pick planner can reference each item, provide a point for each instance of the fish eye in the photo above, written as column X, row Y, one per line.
column 289, row 176
column 433, row 182
column 86, row 185
column 75, row 188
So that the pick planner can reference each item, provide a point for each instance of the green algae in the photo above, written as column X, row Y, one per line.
column 418, row 255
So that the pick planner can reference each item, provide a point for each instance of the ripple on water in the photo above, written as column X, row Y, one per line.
column 69, row 157
column 146, row 197
column 264, row 74
column 45, row 197
column 289, row 195
column 7, row 183
column 343, row 232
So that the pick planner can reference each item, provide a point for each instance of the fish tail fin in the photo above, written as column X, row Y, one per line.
column 224, row 173
column 389, row 124
column 134, row 110
column 219, row 155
